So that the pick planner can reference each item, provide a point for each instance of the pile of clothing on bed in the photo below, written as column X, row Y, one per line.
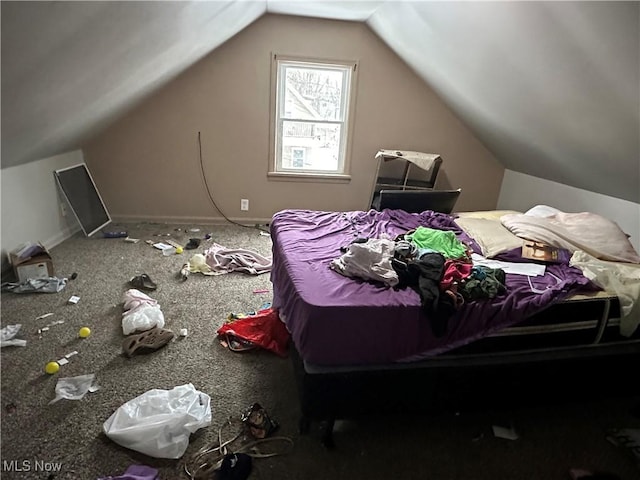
column 435, row 263
column 445, row 272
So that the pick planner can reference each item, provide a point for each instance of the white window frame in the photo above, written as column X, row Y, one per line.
column 276, row 170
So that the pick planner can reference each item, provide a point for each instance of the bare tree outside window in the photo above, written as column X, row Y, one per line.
column 322, row 88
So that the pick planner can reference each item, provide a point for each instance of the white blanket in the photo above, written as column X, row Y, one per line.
column 589, row 232
column 621, row 278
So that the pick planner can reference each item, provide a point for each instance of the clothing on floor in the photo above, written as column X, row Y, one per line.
column 136, row 472
column 37, row 285
column 263, row 329
column 225, row 260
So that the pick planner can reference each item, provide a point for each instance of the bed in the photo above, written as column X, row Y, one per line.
column 351, row 336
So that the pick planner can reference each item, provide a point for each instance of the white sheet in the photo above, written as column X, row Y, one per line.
column 621, row 278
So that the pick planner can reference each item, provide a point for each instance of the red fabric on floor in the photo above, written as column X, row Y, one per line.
column 264, row 329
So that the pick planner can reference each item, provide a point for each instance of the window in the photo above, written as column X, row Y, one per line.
column 311, row 107
column 297, row 155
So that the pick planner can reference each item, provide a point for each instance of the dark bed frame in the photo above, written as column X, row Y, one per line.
column 563, row 352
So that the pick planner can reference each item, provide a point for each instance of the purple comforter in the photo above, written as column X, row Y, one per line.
column 335, row 320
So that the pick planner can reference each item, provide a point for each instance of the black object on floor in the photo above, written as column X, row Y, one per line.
column 193, row 243
column 143, row 282
column 115, row 234
column 235, row 466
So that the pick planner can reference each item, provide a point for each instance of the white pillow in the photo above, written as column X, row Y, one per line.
column 543, row 211
column 586, row 231
column 491, row 236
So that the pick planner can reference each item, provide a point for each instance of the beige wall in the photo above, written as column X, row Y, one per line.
column 32, row 204
column 146, row 166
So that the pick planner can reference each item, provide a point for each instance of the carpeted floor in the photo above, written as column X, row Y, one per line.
column 413, row 445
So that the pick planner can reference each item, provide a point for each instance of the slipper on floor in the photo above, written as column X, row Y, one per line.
column 146, row 342
column 143, row 282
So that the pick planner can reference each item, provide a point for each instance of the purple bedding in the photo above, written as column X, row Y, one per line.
column 336, row 320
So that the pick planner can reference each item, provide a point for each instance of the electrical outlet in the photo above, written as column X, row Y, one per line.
column 244, row 204
column 63, row 209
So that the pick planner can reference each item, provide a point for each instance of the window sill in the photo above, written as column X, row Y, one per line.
column 309, row 177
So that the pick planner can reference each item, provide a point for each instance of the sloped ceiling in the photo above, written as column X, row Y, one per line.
column 551, row 88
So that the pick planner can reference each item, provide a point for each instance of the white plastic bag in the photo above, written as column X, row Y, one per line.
column 73, row 388
column 141, row 312
column 7, row 334
column 159, row 422
column 142, row 318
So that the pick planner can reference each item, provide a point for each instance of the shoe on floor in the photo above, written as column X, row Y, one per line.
column 146, row 342
column 143, row 282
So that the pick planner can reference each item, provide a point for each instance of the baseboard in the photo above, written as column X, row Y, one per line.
column 60, row 237
column 187, row 220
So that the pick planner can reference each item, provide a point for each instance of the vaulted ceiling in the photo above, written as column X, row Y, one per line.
column 551, row 88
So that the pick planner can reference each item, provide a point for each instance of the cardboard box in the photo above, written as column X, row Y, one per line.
column 31, row 260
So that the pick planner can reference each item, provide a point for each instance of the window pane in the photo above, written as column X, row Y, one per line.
column 313, row 93
column 311, row 146
column 312, row 101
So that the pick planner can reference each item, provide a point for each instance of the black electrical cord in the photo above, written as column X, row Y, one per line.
column 204, row 177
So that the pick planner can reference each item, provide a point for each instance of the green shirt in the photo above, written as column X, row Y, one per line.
column 443, row 241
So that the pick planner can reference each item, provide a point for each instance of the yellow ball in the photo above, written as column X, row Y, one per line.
column 84, row 332
column 179, row 250
column 52, row 367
